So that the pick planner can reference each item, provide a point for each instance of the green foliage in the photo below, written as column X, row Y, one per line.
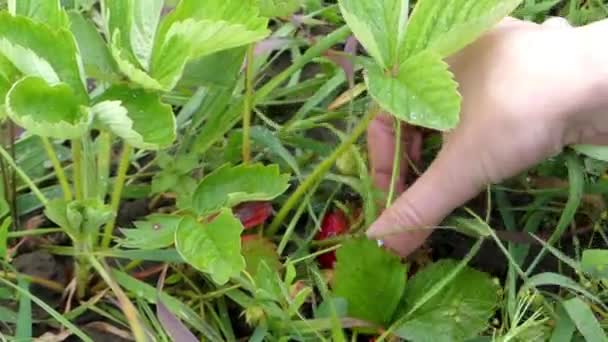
column 96, row 56
column 595, row 263
column 434, row 103
column 278, row 8
column 47, row 110
column 37, row 50
column 595, row 152
column 46, row 11
column 156, row 58
column 228, row 186
column 138, row 116
column 446, row 26
column 585, row 320
column 24, row 321
column 461, row 310
column 380, row 27
column 436, row 30
column 258, row 250
column 132, row 34
column 156, row 232
column 78, row 218
column 4, row 227
column 361, row 266
column 213, row 247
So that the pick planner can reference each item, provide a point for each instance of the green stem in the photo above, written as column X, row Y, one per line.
column 123, row 168
column 82, row 275
column 13, row 179
column 103, row 163
column 77, row 172
column 126, row 306
column 248, row 105
column 25, row 178
column 396, row 164
column 321, row 170
column 59, row 171
column 89, row 175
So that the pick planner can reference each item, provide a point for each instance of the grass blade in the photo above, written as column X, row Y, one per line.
column 576, row 179
column 178, row 308
column 564, row 327
column 24, row 322
column 56, row 315
column 585, row 320
column 548, row 279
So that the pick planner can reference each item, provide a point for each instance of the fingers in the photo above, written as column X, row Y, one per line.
column 451, row 180
column 381, row 145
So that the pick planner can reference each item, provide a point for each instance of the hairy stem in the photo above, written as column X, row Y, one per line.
column 126, row 306
column 103, row 163
column 121, row 177
column 13, row 176
column 77, row 172
column 59, row 171
column 248, row 104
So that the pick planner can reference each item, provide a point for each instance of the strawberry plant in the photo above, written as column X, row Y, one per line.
column 181, row 170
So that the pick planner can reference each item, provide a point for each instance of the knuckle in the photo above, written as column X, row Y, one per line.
column 405, row 214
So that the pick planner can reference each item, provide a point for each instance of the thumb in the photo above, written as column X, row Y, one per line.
column 451, row 180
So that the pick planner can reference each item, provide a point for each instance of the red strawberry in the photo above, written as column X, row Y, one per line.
column 253, row 214
column 333, row 224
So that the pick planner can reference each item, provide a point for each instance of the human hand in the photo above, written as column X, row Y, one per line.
column 528, row 90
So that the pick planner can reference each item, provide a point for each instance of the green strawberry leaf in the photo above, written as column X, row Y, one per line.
column 145, row 20
column 370, row 279
column 132, row 26
column 196, row 29
column 228, row 186
column 239, row 12
column 96, row 57
column 156, row 232
column 164, row 181
column 423, row 93
column 379, row 26
column 136, row 22
column 446, row 26
column 78, row 218
column 192, row 39
column 214, row 247
column 595, row 263
column 45, row 110
column 129, row 68
column 458, row 312
column 45, row 11
column 156, row 59
column 268, row 283
column 138, row 116
column 36, row 50
column 278, row 8
column 202, row 71
column 8, row 76
column 257, row 250
column 592, row 151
